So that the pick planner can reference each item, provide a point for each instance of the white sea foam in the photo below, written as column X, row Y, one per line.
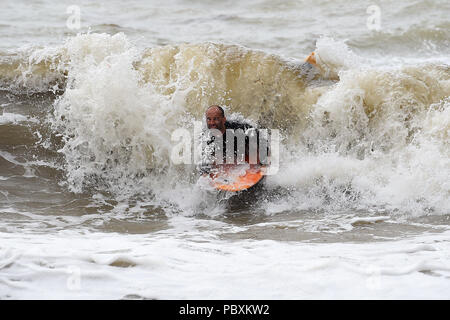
column 12, row 118
column 359, row 208
column 114, row 266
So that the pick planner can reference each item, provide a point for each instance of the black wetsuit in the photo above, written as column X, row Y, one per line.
column 232, row 125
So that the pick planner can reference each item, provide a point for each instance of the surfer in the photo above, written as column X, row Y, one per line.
column 238, row 169
column 244, row 140
column 215, row 119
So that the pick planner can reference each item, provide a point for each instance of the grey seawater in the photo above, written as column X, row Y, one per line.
column 391, row 30
column 35, row 198
column 45, row 227
column 91, row 245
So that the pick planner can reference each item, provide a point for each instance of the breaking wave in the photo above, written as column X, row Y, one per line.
column 354, row 136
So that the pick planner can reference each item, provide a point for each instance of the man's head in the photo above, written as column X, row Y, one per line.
column 215, row 118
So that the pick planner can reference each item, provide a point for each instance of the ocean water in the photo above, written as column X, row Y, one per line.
column 93, row 207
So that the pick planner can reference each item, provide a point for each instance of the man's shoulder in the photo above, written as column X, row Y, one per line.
column 237, row 125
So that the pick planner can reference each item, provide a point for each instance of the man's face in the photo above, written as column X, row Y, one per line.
column 215, row 120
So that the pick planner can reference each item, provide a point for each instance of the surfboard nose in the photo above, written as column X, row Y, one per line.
column 228, row 181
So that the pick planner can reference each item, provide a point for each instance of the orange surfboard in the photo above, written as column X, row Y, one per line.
column 236, row 178
column 312, row 59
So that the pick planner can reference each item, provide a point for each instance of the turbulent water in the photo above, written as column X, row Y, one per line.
column 92, row 205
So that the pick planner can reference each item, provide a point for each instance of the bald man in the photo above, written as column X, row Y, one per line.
column 215, row 119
